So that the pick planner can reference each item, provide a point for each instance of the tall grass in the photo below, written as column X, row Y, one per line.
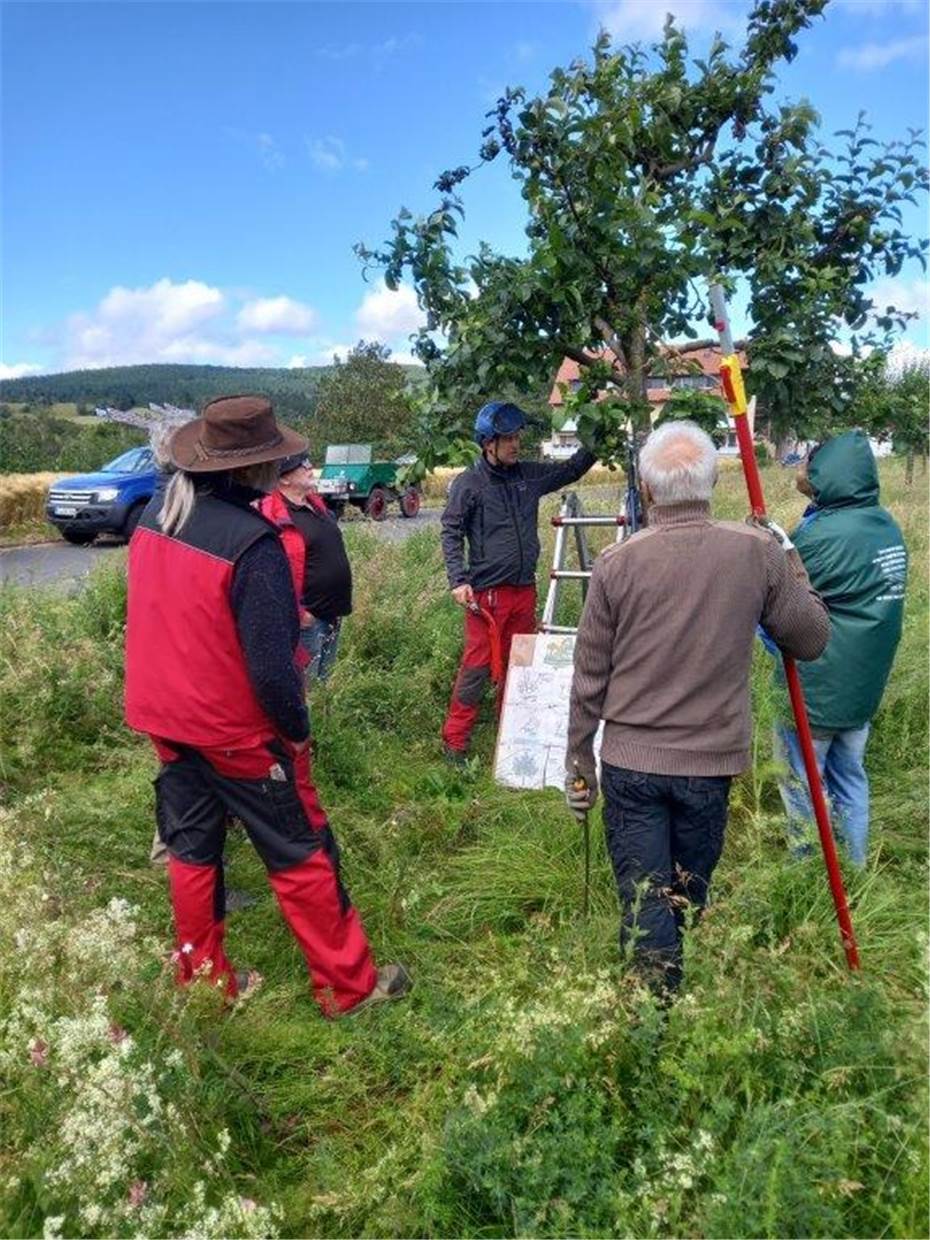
column 528, row 1087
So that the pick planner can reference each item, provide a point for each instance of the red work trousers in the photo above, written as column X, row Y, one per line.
column 272, row 791
column 514, row 611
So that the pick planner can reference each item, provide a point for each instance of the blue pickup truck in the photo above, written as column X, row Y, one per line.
column 107, row 502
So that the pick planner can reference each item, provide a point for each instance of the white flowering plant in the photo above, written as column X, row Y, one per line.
column 104, row 1143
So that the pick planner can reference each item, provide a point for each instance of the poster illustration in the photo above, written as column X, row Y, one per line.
column 533, row 730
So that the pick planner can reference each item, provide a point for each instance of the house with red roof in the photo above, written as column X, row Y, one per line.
column 699, row 371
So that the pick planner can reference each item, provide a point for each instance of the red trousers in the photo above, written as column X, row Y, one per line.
column 272, row 792
column 514, row 611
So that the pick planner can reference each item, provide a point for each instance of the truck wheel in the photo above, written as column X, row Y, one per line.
column 132, row 519
column 78, row 538
column 410, row 502
column 377, row 504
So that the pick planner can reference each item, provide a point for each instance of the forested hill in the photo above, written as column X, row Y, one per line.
column 292, row 391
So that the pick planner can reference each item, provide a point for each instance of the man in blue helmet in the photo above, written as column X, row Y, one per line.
column 495, row 506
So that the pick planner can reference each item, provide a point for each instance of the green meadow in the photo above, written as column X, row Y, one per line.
column 529, row 1087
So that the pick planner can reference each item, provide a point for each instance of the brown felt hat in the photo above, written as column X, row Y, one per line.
column 233, row 431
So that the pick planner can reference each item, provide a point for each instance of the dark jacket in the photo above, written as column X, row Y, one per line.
column 855, row 556
column 497, row 510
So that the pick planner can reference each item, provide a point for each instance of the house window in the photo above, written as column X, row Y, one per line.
column 694, row 381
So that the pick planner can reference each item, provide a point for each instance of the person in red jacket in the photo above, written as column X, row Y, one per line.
column 211, row 634
column 320, row 568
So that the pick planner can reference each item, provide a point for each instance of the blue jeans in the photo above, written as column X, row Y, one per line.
column 840, row 759
column 320, row 639
column 664, row 838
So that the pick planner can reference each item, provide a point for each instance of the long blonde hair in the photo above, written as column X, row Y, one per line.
column 180, row 495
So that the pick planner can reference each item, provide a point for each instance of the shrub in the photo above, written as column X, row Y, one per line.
column 31, row 443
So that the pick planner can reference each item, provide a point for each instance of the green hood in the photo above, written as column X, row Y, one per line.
column 844, row 472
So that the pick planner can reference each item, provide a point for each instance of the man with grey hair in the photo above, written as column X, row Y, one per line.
column 662, row 657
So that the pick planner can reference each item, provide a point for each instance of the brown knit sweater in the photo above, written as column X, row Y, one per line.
column 665, row 642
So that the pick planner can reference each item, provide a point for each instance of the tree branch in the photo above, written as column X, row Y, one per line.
column 576, row 355
column 693, row 346
column 694, row 160
column 612, row 341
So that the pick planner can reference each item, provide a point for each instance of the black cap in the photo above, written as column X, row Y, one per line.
column 288, row 464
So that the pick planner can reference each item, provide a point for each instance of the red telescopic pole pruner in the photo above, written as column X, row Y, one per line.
column 732, row 378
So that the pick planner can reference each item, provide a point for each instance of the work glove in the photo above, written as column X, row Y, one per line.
column 580, row 794
column 766, row 523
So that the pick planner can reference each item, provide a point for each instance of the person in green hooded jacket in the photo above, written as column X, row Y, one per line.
column 855, row 556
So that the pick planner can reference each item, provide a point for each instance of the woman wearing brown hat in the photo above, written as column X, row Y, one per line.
column 211, row 635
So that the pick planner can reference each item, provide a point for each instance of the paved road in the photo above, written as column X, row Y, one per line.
column 58, row 563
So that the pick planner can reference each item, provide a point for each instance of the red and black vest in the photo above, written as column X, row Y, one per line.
column 274, row 508
column 186, row 675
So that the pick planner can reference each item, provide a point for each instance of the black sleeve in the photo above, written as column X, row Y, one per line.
column 263, row 603
column 550, row 476
column 454, row 525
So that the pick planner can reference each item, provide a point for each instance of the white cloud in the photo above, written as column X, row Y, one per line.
column 525, row 51
column 18, row 370
column 880, row 55
column 403, row 357
column 276, row 314
column 141, row 324
column 378, row 53
column 330, row 154
column 327, row 353
column 906, row 354
column 881, row 8
column 271, row 154
column 163, row 307
column 178, row 322
column 644, row 19
column 909, row 296
column 195, row 322
column 384, row 314
column 215, row 352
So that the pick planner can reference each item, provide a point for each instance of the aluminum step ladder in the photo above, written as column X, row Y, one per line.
column 572, row 518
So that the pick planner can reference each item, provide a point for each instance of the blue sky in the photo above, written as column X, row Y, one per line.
column 185, row 181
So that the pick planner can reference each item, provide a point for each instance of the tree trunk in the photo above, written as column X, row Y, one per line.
column 635, row 349
column 783, row 446
column 909, row 468
column 923, row 464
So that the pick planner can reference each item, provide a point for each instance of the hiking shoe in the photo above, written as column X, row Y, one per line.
column 247, row 982
column 393, row 983
column 455, row 757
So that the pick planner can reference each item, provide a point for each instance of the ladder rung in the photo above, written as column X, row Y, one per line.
column 568, row 574
column 619, row 520
column 557, row 628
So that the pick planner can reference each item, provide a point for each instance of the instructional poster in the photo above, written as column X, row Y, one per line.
column 533, row 730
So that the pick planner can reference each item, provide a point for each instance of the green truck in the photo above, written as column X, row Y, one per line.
column 350, row 476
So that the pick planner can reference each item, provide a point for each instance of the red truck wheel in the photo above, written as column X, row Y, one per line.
column 377, row 504
column 410, row 502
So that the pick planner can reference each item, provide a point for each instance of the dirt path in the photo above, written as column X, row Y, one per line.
column 58, row 563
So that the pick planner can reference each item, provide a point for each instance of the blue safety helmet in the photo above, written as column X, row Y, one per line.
column 498, row 417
